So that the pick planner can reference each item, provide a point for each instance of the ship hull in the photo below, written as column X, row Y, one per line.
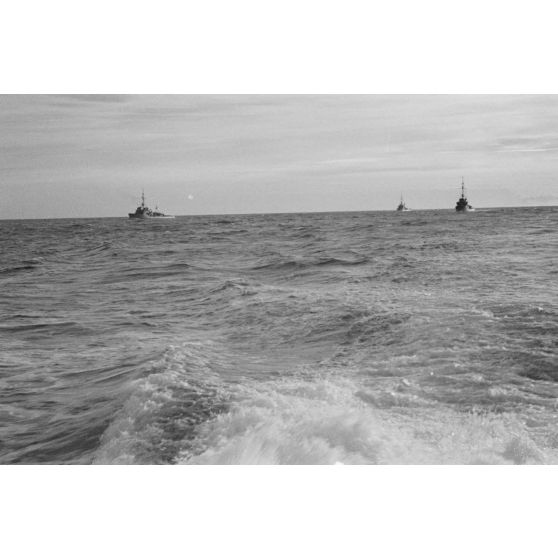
column 141, row 217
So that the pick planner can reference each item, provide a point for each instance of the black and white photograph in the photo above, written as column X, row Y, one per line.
column 278, row 279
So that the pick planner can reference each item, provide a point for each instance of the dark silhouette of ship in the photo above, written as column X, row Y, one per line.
column 143, row 212
column 462, row 204
column 402, row 206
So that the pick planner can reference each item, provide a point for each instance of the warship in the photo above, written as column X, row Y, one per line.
column 462, row 204
column 402, row 206
column 143, row 212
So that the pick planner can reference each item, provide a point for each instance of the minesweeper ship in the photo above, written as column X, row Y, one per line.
column 462, row 204
column 143, row 212
column 402, row 206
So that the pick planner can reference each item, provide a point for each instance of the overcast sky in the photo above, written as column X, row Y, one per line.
column 90, row 156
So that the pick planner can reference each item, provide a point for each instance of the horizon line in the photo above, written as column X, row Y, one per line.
column 280, row 213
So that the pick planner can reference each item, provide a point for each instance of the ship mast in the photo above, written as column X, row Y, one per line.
column 142, row 198
column 462, row 187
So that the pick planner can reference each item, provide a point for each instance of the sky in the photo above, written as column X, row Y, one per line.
column 91, row 155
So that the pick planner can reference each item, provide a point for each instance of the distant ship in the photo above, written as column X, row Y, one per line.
column 462, row 203
column 402, row 206
column 143, row 212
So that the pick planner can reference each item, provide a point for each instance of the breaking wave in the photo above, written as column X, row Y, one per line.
column 186, row 411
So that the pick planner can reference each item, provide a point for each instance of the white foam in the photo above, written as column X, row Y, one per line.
column 326, row 420
column 305, row 416
column 139, row 432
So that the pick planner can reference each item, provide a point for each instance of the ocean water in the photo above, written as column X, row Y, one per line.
column 369, row 337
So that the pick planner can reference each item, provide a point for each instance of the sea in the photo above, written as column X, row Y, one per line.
column 421, row 337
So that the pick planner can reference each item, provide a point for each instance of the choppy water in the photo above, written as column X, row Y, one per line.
column 424, row 337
